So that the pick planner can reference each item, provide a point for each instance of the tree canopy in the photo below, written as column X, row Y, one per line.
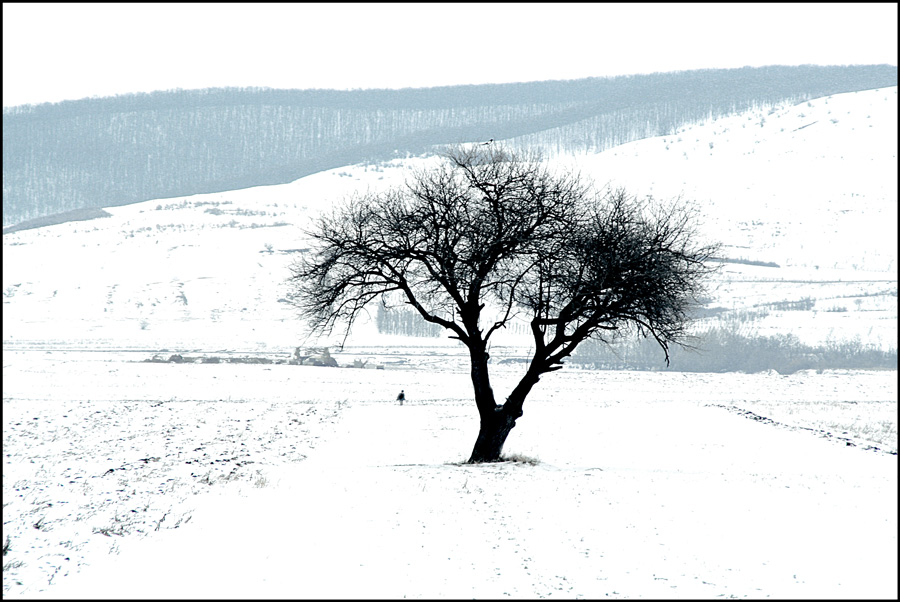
column 489, row 236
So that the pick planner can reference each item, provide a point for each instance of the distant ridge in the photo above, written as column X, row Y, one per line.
column 119, row 150
column 75, row 215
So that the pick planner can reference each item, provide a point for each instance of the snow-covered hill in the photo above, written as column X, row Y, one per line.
column 811, row 187
column 101, row 452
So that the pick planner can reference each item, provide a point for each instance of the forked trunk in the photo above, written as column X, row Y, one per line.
column 498, row 421
column 491, row 437
column 494, row 425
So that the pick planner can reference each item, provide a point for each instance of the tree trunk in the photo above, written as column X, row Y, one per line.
column 497, row 422
column 491, row 436
column 494, row 426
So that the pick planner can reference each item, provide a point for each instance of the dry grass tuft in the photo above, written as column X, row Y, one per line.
column 260, row 480
column 521, row 459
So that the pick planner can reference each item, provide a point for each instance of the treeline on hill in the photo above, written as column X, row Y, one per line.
column 725, row 348
column 112, row 151
column 406, row 322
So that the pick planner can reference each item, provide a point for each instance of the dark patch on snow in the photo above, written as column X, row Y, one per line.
column 847, row 441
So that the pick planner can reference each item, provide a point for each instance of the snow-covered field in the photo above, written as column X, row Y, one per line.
column 290, row 481
column 124, row 478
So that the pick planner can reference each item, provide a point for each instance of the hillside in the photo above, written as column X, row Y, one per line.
column 118, row 469
column 103, row 152
column 809, row 187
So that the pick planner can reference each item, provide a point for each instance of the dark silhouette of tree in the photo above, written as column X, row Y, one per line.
column 488, row 237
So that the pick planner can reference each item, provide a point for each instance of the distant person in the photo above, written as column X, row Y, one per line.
column 401, row 397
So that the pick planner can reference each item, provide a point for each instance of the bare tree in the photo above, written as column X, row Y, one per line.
column 490, row 236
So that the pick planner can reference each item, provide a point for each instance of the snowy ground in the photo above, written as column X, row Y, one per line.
column 131, row 479
column 287, row 481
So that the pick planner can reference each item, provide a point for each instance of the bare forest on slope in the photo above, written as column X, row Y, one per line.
column 102, row 152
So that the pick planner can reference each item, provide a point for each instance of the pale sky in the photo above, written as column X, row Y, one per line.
column 54, row 52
